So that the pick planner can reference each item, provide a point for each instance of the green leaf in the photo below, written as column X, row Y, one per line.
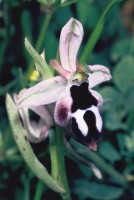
column 88, row 13
column 113, row 121
column 86, row 189
column 25, row 148
column 43, row 2
column 99, row 162
column 121, row 143
column 50, row 53
column 130, row 120
column 121, row 48
column 92, row 40
column 113, row 100
column 1, row 142
column 129, row 141
column 108, row 151
column 129, row 99
column 26, row 27
column 114, row 108
column 124, row 73
column 49, row 4
column 96, row 33
column 40, row 63
column 85, row 170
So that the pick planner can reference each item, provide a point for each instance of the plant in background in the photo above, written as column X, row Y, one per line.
column 76, row 102
column 77, row 106
column 105, row 174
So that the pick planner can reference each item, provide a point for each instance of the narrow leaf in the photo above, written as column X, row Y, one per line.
column 99, row 162
column 25, row 148
column 40, row 63
column 96, row 33
column 97, row 190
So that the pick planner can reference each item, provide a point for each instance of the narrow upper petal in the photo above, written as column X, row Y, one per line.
column 45, row 92
column 98, row 74
column 70, row 40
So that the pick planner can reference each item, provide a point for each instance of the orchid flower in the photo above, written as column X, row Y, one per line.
column 77, row 105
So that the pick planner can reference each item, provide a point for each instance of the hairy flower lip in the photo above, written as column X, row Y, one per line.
column 57, row 89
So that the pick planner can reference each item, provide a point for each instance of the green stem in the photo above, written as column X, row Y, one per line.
column 40, row 188
column 92, row 40
column 58, row 162
column 62, row 168
column 39, row 44
column 43, row 31
column 53, row 155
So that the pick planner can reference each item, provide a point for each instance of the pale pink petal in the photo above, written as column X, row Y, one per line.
column 56, row 65
column 98, row 74
column 33, row 130
column 44, row 113
column 70, row 40
column 41, row 131
column 63, row 108
column 45, row 92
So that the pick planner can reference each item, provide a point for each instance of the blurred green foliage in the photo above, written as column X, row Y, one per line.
column 115, row 49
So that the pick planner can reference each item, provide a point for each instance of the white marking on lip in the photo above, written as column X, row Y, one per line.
column 95, row 110
column 78, row 115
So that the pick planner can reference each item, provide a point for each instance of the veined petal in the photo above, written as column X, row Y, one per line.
column 98, row 74
column 70, row 40
column 56, row 65
column 63, row 108
column 45, row 92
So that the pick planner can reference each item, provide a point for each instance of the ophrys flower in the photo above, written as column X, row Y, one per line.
column 77, row 105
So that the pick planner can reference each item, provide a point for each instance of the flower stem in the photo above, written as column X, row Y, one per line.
column 58, row 162
column 53, row 155
column 39, row 44
column 63, row 177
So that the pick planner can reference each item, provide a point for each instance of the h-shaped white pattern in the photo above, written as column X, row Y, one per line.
column 78, row 115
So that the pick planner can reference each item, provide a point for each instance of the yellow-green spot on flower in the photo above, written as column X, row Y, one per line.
column 80, row 76
column 34, row 75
